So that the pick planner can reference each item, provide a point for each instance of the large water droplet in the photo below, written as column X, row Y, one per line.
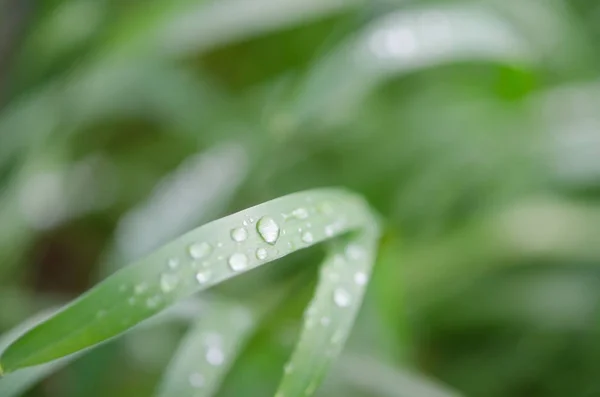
column 268, row 229
column 215, row 356
column 168, row 282
column 300, row 213
column 196, row 380
column 360, row 278
column 341, row 297
column 203, row 277
column 238, row 262
column 199, row 250
column 261, row 254
column 307, row 237
column 239, row 234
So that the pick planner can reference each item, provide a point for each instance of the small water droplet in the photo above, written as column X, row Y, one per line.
column 325, row 321
column 360, row 278
column 141, row 288
column 239, row 234
column 219, row 245
column 308, row 225
column 203, row 277
column 152, row 302
column 300, row 213
column 245, row 223
column 168, row 282
column 131, row 301
column 288, row 368
column 173, row 263
column 354, row 252
column 101, row 313
column 329, row 230
column 123, row 288
column 341, row 297
column 307, row 237
column 238, row 262
column 215, row 356
column 268, row 229
column 261, row 254
column 199, row 250
column 196, row 380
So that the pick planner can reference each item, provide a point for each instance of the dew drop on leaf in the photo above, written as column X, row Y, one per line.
column 140, row 288
column 199, row 250
column 261, row 254
column 300, row 213
column 173, row 263
column 360, row 278
column 341, row 297
column 215, row 356
column 307, row 237
column 238, row 262
column 239, row 234
column 203, row 277
column 268, row 229
column 168, row 282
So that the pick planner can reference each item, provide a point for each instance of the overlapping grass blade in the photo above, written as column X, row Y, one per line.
column 214, row 253
column 208, row 350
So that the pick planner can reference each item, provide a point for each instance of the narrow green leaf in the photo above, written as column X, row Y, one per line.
column 403, row 42
column 207, row 352
column 17, row 383
column 214, row 253
column 329, row 318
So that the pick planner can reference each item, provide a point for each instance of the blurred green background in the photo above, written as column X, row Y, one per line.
column 472, row 128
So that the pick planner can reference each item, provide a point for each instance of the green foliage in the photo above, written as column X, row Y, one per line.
column 470, row 128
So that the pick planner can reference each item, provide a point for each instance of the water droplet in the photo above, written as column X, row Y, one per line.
column 101, row 313
column 325, row 321
column 262, row 254
column 173, row 263
column 131, row 301
column 168, row 282
column 141, row 288
column 300, row 213
column 341, row 297
column 203, row 277
column 215, row 356
column 152, row 302
column 288, row 368
column 196, row 380
column 360, row 278
column 239, row 234
column 307, row 237
column 199, row 250
column 268, row 229
column 238, row 262
column 219, row 245
column 245, row 223
column 355, row 252
column 329, row 230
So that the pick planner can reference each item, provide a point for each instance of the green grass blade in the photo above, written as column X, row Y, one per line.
column 207, row 352
column 403, row 42
column 329, row 318
column 212, row 254
column 17, row 383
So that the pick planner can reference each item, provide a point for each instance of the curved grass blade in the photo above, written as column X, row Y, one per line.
column 329, row 317
column 17, row 383
column 208, row 351
column 403, row 42
column 214, row 253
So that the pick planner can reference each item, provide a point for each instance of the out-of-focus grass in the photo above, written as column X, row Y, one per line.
column 471, row 127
